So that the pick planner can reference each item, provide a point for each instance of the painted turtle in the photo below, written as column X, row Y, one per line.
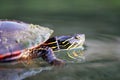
column 22, row 41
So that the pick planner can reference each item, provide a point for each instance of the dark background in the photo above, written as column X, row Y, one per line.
column 99, row 14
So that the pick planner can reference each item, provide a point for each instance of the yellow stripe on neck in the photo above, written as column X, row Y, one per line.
column 51, row 43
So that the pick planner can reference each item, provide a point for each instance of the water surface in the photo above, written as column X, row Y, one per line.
column 102, row 54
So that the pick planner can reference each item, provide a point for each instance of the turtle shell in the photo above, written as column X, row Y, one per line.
column 19, row 35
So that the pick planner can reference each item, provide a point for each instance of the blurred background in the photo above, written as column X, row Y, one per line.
column 99, row 20
column 99, row 14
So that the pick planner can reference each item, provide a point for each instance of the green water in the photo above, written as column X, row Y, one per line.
column 97, row 19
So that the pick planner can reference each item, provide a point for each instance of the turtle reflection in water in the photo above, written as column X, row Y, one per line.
column 23, row 41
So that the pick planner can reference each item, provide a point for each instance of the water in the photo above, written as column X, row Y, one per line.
column 102, row 63
column 102, row 55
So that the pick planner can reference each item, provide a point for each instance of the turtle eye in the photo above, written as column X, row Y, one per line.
column 77, row 37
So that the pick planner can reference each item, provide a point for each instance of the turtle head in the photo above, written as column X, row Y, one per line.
column 76, row 41
column 66, row 42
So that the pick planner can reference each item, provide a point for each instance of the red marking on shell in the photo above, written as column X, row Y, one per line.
column 7, row 55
